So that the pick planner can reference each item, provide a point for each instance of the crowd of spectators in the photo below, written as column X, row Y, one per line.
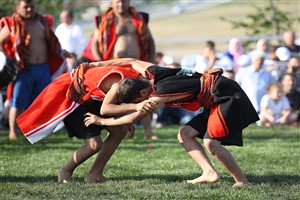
column 269, row 75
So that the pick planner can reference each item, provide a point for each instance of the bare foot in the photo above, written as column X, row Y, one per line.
column 63, row 176
column 99, row 179
column 153, row 137
column 212, row 177
column 240, row 184
column 12, row 137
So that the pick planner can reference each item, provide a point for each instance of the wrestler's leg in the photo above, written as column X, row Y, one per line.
column 148, row 128
column 186, row 137
column 13, row 114
column 226, row 158
column 114, row 138
column 90, row 147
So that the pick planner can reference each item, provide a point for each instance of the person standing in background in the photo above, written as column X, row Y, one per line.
column 27, row 36
column 70, row 36
column 208, row 58
column 254, row 80
column 288, row 82
column 122, row 32
column 289, row 42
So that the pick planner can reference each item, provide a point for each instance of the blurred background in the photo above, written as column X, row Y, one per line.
column 180, row 27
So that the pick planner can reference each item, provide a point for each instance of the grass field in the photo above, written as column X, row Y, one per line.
column 144, row 169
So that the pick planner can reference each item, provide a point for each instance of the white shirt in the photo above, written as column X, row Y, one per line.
column 275, row 108
column 71, row 38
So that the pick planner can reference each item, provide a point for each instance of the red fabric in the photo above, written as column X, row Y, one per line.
column 51, row 106
column 50, row 20
column 191, row 106
column 9, row 45
column 9, row 91
column 216, row 125
column 47, row 106
column 87, row 52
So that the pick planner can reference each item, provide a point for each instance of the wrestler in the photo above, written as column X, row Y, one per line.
column 227, row 111
column 123, row 32
column 67, row 99
column 27, row 37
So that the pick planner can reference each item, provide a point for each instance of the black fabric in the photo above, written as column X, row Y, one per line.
column 160, row 73
column 199, row 123
column 236, row 107
column 74, row 122
column 168, row 81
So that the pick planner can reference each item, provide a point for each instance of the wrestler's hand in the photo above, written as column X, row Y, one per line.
column 130, row 131
column 92, row 119
column 146, row 106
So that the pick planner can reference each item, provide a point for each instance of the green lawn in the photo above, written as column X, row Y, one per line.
column 269, row 158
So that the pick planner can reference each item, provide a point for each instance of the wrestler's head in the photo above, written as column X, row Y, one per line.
column 134, row 90
column 25, row 8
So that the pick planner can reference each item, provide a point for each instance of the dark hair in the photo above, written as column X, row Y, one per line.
column 26, row 1
column 210, row 44
column 129, row 89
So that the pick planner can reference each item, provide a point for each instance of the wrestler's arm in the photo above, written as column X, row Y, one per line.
column 137, row 65
column 111, row 106
column 129, row 118
column 95, row 46
column 114, row 121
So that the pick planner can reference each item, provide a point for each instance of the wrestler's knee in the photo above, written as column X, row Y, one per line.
column 95, row 144
column 186, row 133
column 118, row 131
column 211, row 145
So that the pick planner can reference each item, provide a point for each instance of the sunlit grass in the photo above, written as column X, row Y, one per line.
column 145, row 169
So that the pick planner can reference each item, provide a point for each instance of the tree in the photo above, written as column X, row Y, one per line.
column 267, row 20
column 52, row 7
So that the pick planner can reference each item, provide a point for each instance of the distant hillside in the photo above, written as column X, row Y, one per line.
column 206, row 23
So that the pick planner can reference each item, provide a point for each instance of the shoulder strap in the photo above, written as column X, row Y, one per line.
column 98, row 18
column 49, row 19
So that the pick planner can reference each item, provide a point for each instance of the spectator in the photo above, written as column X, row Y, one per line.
column 208, row 58
column 38, row 54
column 162, row 60
column 234, row 51
column 289, row 42
column 123, row 32
column 288, row 87
column 262, row 46
column 274, row 65
column 275, row 107
column 70, row 36
column 293, row 66
column 254, row 80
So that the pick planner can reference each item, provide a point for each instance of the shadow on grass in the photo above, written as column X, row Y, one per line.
column 27, row 179
column 274, row 179
column 268, row 179
column 271, row 136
